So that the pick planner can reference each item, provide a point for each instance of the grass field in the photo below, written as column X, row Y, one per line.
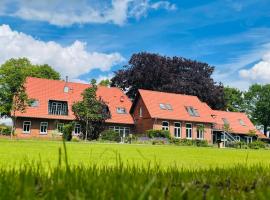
column 96, row 172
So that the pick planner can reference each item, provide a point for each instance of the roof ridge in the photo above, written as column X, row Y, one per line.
column 173, row 93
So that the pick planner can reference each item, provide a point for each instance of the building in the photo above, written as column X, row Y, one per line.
column 183, row 115
column 187, row 117
column 52, row 107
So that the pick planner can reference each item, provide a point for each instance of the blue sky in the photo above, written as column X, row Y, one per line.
column 92, row 39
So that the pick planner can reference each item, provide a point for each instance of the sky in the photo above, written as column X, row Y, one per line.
column 94, row 38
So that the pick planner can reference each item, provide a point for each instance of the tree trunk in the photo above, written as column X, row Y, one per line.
column 265, row 130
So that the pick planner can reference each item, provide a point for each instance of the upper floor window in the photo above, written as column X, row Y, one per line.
column 121, row 110
column 58, row 108
column 34, row 103
column 66, row 89
column 166, row 106
column 192, row 111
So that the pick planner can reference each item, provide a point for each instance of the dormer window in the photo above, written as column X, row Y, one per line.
column 121, row 110
column 66, row 89
column 192, row 111
column 58, row 108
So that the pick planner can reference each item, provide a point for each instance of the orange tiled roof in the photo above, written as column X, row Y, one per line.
column 44, row 90
column 179, row 102
column 234, row 122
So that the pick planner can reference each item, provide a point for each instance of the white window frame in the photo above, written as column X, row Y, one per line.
column 249, row 139
column 27, row 125
column 177, row 130
column 201, row 132
column 75, row 132
column 140, row 112
column 118, row 129
column 42, row 124
column 121, row 110
column 189, row 129
column 165, row 128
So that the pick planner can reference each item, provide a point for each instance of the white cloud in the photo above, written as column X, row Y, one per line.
column 102, row 77
column 6, row 121
column 65, row 13
column 260, row 72
column 71, row 60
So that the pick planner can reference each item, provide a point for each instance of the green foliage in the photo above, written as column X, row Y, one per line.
column 234, row 99
column 91, row 112
column 257, row 145
column 5, row 130
column 110, row 135
column 158, row 142
column 67, row 131
column 187, row 142
column 152, row 133
column 105, row 82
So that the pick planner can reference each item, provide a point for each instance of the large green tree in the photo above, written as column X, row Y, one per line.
column 170, row 74
column 91, row 113
column 234, row 99
column 257, row 101
column 12, row 77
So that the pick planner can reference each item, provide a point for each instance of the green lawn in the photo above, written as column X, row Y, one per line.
column 16, row 152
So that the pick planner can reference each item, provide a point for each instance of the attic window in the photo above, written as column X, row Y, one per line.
column 121, row 110
column 162, row 106
column 242, row 122
column 165, row 106
column 66, row 89
column 35, row 103
column 225, row 121
column 192, row 111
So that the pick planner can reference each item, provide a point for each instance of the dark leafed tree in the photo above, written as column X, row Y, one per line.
column 176, row 74
column 91, row 113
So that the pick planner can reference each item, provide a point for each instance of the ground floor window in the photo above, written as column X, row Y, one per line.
column 43, row 127
column 189, row 131
column 200, row 132
column 123, row 131
column 77, row 129
column 177, row 130
column 249, row 139
column 237, row 138
column 26, row 126
column 165, row 126
column 60, row 127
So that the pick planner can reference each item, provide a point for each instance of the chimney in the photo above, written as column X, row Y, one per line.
column 66, row 79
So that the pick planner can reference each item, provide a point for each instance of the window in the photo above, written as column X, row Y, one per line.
column 225, row 121
column 249, row 139
column 192, row 112
column 66, row 89
column 140, row 112
column 237, row 138
column 168, row 106
column 35, row 103
column 200, row 132
column 121, row 110
column 177, row 130
column 58, row 108
column 189, row 131
column 165, row 106
column 43, row 127
column 162, row 106
column 26, row 126
column 165, row 126
column 242, row 122
column 60, row 127
column 77, row 129
column 123, row 131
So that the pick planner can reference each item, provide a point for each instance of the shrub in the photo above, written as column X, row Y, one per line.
column 257, row 145
column 154, row 142
column 5, row 130
column 110, row 135
column 75, row 139
column 158, row 133
column 67, row 131
column 187, row 142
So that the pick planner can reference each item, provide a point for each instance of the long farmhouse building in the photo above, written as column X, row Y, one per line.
column 183, row 116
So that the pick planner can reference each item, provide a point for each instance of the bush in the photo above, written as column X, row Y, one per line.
column 67, row 131
column 257, row 145
column 154, row 142
column 187, row 142
column 75, row 139
column 158, row 133
column 110, row 135
column 5, row 130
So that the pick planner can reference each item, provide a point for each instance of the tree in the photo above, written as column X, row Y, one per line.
column 91, row 113
column 258, row 105
column 176, row 74
column 105, row 82
column 12, row 77
column 234, row 100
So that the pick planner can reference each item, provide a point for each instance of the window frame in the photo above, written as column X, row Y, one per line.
column 200, row 132
column 27, row 132
column 241, row 122
column 165, row 128
column 191, row 131
column 76, row 128
column 43, row 133
column 119, row 108
column 249, row 139
column 140, row 112
column 57, row 127
column 176, row 129
column 237, row 138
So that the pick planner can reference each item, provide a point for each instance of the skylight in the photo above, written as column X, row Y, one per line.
column 162, row 106
column 192, row 111
column 165, row 106
column 225, row 121
column 242, row 122
column 121, row 110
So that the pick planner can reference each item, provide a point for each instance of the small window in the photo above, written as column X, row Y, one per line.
column 165, row 125
column 177, row 130
column 200, row 132
column 43, row 128
column 162, row 106
column 169, row 106
column 77, row 129
column 26, row 126
column 242, row 122
column 121, row 110
column 225, row 121
column 189, row 131
column 66, row 89
column 60, row 127
column 35, row 103
column 140, row 112
column 237, row 138
column 192, row 112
